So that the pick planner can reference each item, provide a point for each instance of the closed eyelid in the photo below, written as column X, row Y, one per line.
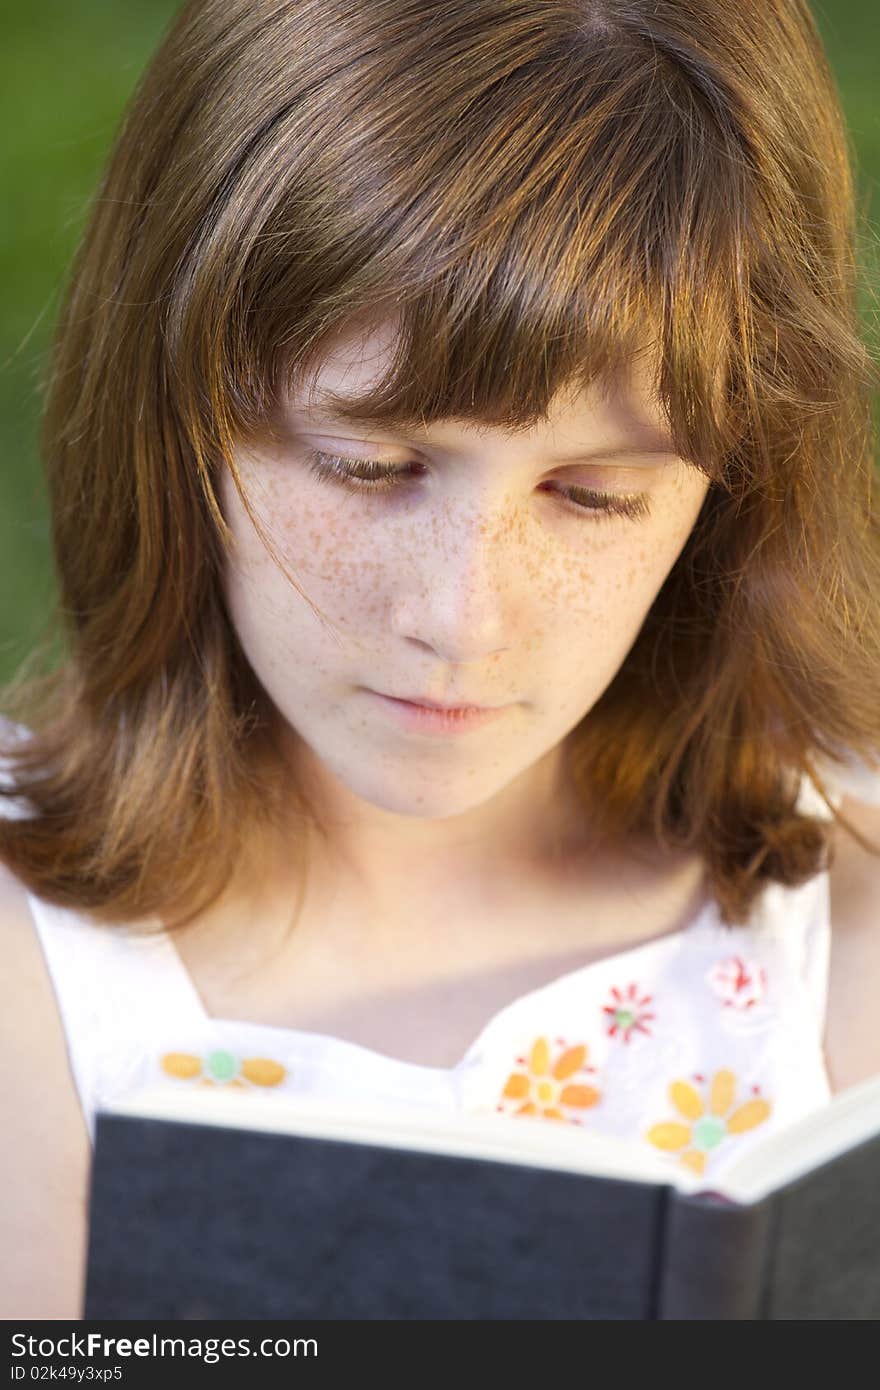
column 639, row 455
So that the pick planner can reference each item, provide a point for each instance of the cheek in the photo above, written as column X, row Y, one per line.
column 619, row 571
column 602, row 596
column 332, row 559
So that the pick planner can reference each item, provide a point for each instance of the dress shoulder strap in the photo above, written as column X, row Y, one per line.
column 114, row 985
column 114, row 991
column 813, row 899
column 851, row 777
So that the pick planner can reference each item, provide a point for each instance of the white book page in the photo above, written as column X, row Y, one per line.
column 851, row 1117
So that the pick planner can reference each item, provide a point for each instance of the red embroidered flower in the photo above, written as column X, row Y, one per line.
column 739, row 983
column 627, row 1014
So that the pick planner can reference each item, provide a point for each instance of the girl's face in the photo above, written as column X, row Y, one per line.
column 484, row 574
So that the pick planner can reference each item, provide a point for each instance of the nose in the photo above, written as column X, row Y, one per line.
column 458, row 594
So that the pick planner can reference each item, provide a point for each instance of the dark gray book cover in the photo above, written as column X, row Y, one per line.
column 191, row 1220
column 813, row 1250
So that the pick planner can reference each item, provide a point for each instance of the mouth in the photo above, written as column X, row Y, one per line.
column 425, row 703
column 420, row 717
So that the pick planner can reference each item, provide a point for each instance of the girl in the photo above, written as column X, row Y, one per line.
column 467, row 531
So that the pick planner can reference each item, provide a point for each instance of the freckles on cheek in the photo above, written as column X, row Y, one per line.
column 327, row 552
column 601, row 600
column 306, row 534
column 612, row 586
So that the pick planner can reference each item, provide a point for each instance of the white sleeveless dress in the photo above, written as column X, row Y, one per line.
column 697, row 1044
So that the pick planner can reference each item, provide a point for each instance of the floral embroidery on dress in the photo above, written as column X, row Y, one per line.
column 704, row 1131
column 738, row 983
column 545, row 1087
column 222, row 1068
column 627, row 1014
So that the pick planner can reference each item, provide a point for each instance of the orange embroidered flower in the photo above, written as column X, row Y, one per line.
column 705, row 1131
column 546, row 1090
column 221, row 1068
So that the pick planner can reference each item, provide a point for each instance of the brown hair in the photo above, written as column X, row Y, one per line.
column 537, row 187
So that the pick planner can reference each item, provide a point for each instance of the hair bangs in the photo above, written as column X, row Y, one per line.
column 609, row 230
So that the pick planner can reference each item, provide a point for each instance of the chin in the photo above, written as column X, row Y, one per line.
column 421, row 803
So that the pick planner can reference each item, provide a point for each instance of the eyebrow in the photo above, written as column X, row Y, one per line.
column 662, row 448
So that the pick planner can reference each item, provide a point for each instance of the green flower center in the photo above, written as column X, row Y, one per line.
column 624, row 1017
column 708, row 1131
column 221, row 1065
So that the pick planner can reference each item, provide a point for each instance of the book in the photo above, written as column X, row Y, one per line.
column 214, row 1204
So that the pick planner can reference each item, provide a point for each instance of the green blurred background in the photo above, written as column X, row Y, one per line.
column 66, row 72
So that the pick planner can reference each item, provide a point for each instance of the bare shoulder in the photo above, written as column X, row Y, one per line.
column 45, row 1154
column 852, row 1036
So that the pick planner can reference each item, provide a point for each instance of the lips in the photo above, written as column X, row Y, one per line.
column 436, row 704
column 436, row 721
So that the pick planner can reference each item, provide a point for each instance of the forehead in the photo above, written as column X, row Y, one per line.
column 362, row 355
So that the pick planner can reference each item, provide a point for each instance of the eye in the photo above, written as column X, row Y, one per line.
column 371, row 475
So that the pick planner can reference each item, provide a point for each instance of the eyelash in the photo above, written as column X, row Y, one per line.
column 380, row 477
